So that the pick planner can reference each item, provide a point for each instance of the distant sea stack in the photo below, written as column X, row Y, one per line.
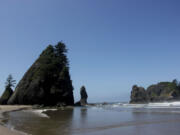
column 138, row 95
column 84, row 96
column 47, row 82
column 163, row 91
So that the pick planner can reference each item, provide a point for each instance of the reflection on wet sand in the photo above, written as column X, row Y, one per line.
column 127, row 124
column 83, row 117
column 95, row 121
column 59, row 122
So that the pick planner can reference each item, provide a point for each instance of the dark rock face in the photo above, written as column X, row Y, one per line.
column 138, row 95
column 47, row 82
column 84, row 96
column 6, row 95
column 163, row 91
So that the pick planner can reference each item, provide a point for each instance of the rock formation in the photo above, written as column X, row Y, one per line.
column 138, row 94
column 163, row 91
column 47, row 82
column 84, row 96
column 6, row 95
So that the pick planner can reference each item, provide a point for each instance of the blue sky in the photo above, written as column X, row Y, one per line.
column 113, row 44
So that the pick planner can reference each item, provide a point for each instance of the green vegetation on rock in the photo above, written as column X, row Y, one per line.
column 47, row 81
column 163, row 91
column 10, row 82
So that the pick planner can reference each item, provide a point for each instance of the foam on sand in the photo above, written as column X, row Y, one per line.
column 40, row 112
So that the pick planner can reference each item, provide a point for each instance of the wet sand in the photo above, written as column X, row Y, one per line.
column 103, row 120
column 10, row 108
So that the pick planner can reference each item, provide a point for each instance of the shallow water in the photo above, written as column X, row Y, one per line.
column 125, row 119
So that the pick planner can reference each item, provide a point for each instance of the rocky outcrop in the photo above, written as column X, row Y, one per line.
column 47, row 82
column 163, row 91
column 6, row 95
column 84, row 96
column 138, row 94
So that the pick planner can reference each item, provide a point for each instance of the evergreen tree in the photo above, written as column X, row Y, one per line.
column 10, row 82
column 60, row 50
column 175, row 82
column 47, row 81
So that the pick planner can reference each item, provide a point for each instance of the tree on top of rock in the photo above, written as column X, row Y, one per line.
column 10, row 82
column 60, row 50
column 47, row 81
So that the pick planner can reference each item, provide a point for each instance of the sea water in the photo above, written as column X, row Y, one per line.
column 114, row 119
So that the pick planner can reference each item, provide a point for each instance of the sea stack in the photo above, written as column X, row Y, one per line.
column 138, row 95
column 84, row 96
column 163, row 91
column 47, row 81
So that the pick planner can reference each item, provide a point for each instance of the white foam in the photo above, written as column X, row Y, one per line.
column 115, row 105
column 175, row 104
column 164, row 105
column 133, row 105
column 40, row 112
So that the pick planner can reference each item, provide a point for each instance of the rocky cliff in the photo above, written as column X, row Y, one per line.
column 47, row 81
column 163, row 91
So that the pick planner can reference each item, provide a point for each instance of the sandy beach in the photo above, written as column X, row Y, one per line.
column 9, row 108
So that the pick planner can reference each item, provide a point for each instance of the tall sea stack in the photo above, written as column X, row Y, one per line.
column 47, row 81
column 84, row 95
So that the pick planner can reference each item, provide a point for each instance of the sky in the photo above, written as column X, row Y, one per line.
column 113, row 44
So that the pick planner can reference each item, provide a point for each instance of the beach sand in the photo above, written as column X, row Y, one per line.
column 9, row 108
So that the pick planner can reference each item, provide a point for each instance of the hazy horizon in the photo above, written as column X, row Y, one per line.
column 112, row 44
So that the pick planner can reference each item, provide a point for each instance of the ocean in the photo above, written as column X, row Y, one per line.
column 108, row 119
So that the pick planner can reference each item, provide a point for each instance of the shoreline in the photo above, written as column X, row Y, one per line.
column 9, row 108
